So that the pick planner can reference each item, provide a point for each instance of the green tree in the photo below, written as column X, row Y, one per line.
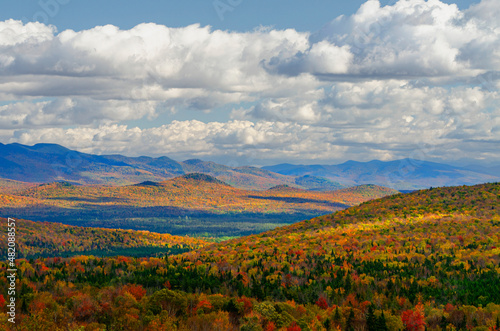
column 371, row 319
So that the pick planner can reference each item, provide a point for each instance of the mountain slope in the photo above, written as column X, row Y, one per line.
column 45, row 163
column 406, row 174
column 449, row 236
column 51, row 162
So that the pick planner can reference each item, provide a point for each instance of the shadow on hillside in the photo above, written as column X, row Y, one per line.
column 173, row 220
column 302, row 200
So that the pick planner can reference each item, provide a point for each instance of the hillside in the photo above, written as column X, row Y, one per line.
column 193, row 204
column 429, row 224
column 317, row 183
column 406, row 174
column 54, row 239
column 13, row 186
column 428, row 259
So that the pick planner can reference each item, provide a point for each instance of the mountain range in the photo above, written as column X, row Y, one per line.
column 405, row 174
column 43, row 163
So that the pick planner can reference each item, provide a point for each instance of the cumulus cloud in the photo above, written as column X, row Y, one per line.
column 408, row 39
column 376, row 103
column 147, row 56
column 370, row 85
column 70, row 111
column 184, row 139
column 245, row 142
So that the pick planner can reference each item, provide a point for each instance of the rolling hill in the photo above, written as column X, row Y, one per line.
column 428, row 259
column 195, row 204
column 35, row 239
column 405, row 174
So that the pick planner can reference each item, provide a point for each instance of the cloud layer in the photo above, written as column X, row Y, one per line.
column 381, row 83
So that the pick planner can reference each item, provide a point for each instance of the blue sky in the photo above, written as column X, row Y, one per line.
column 266, row 82
column 239, row 15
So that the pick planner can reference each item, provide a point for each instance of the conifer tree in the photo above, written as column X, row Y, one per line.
column 381, row 323
column 371, row 319
column 350, row 321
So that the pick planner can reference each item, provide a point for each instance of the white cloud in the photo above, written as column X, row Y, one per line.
column 151, row 55
column 246, row 142
column 373, row 84
column 408, row 39
column 70, row 111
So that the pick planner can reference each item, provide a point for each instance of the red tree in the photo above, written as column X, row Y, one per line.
column 414, row 319
column 322, row 303
column 294, row 327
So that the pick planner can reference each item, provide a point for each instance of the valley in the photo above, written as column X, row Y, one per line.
column 193, row 204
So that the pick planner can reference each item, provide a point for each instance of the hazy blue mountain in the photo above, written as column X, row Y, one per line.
column 318, row 183
column 405, row 174
column 44, row 163
column 51, row 162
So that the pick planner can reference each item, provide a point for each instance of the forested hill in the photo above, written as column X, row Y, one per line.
column 35, row 239
column 191, row 204
column 411, row 240
column 425, row 260
column 475, row 201
column 465, row 202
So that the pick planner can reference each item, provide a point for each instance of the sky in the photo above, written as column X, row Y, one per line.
column 245, row 82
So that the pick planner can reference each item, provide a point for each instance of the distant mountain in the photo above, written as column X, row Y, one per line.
column 406, row 174
column 284, row 188
column 491, row 170
column 44, row 163
column 203, row 178
column 50, row 162
column 317, row 183
column 241, row 177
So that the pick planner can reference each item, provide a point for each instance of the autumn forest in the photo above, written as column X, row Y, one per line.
column 427, row 260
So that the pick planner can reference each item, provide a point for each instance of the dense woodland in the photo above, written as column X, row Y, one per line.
column 425, row 260
column 43, row 239
column 194, row 204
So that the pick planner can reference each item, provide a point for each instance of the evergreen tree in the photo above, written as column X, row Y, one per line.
column 371, row 319
column 381, row 323
column 350, row 321
column 327, row 324
column 443, row 323
column 337, row 319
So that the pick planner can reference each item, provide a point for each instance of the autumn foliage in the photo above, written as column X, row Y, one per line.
column 429, row 259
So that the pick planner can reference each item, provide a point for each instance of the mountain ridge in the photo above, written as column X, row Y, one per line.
column 404, row 174
column 43, row 163
column 51, row 162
